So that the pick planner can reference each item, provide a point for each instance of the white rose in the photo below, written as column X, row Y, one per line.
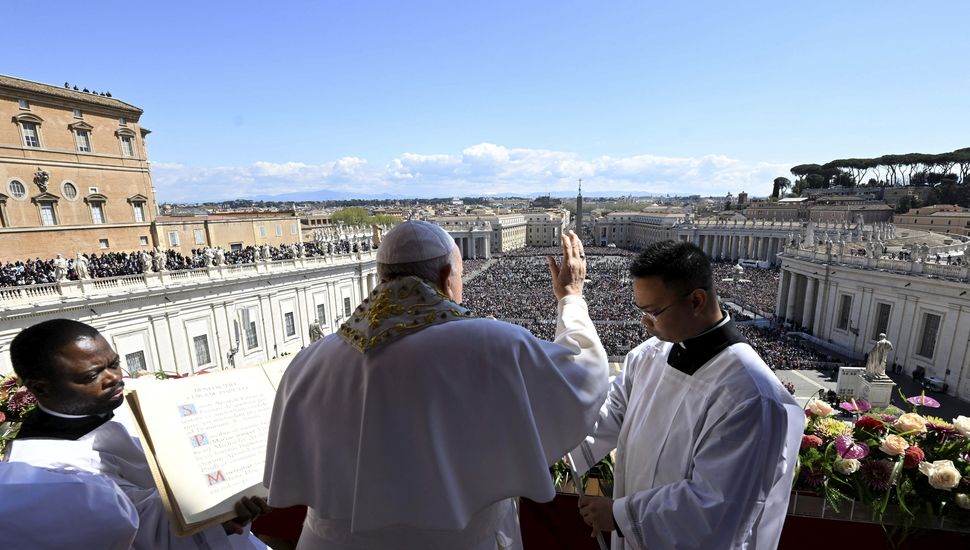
column 941, row 474
column 962, row 500
column 962, row 424
column 911, row 422
column 820, row 408
column 846, row 465
column 893, row 445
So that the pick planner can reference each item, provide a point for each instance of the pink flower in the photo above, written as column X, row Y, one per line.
column 847, row 448
column 924, row 401
column 856, row 406
column 811, row 441
column 20, row 401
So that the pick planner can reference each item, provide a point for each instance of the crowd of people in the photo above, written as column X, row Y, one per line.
column 753, row 289
column 780, row 351
column 515, row 288
column 117, row 264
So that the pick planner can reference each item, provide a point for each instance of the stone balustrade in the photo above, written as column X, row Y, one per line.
column 20, row 296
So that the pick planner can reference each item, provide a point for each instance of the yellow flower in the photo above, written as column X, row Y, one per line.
column 830, row 428
column 911, row 423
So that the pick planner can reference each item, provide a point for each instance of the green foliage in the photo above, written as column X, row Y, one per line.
column 356, row 215
column 602, row 470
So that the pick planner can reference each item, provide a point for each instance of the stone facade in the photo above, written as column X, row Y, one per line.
column 224, row 231
column 847, row 300
column 214, row 318
column 546, row 228
column 942, row 218
column 73, row 172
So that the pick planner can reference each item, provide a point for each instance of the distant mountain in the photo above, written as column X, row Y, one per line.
column 324, row 195
column 328, row 195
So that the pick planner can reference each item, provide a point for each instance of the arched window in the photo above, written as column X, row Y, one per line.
column 29, row 128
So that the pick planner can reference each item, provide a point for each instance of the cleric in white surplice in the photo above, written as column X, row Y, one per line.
column 706, row 436
column 416, row 424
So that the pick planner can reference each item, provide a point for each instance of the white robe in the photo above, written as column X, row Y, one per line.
column 703, row 461
column 56, row 508
column 112, row 451
column 422, row 442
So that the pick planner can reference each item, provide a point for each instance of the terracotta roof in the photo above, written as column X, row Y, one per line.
column 65, row 93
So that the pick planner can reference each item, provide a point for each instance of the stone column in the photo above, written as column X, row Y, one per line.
column 473, row 247
column 811, row 286
column 782, row 301
column 792, row 296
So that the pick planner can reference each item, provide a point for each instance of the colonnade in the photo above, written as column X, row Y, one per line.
column 740, row 246
column 473, row 246
column 800, row 300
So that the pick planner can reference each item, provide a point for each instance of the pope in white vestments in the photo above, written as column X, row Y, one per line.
column 706, row 437
column 417, row 424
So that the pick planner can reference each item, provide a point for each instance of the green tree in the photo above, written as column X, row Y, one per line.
column 780, row 185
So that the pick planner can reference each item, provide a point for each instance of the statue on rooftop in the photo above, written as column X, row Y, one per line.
column 81, row 266
column 60, row 268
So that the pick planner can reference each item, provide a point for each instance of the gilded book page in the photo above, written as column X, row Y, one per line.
column 209, row 436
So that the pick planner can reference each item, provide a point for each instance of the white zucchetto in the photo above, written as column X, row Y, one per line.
column 414, row 241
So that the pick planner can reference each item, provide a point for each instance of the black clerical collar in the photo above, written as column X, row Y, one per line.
column 41, row 423
column 692, row 354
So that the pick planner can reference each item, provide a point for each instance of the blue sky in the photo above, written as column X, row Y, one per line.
column 440, row 98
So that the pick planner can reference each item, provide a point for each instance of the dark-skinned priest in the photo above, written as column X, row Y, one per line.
column 77, row 379
column 706, row 437
column 417, row 424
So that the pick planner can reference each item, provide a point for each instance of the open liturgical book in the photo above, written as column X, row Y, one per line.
column 205, row 441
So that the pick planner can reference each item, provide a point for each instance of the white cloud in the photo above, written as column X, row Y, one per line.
column 484, row 168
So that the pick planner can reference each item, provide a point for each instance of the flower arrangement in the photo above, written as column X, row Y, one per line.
column 16, row 402
column 920, row 464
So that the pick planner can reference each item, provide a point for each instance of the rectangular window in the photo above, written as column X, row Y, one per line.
column 24, row 104
column 97, row 212
column 279, row 230
column 139, row 212
column 346, row 307
column 199, row 236
column 927, row 342
column 127, row 146
column 47, row 216
column 102, row 243
column 322, row 314
column 235, row 247
column 882, row 320
column 293, row 229
column 83, row 139
column 173, row 238
column 78, row 114
column 289, row 324
column 31, row 136
column 262, row 231
column 143, row 240
column 845, row 309
column 201, row 345
column 122, row 121
column 249, row 327
column 135, row 362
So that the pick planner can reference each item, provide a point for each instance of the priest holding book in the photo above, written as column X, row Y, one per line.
column 417, row 424
column 76, row 378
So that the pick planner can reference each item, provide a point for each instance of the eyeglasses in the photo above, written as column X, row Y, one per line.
column 652, row 315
